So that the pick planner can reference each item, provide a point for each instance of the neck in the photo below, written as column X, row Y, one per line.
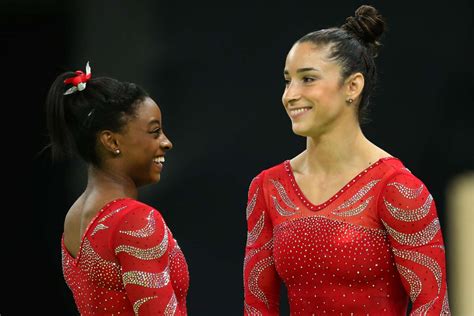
column 336, row 150
column 109, row 182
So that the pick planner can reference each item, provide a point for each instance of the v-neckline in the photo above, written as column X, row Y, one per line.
column 317, row 207
column 86, row 231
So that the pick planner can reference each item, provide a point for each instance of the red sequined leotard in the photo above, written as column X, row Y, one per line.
column 128, row 264
column 366, row 251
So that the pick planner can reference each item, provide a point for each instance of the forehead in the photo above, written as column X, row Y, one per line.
column 307, row 55
column 147, row 111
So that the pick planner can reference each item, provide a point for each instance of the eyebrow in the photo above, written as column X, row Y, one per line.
column 154, row 122
column 300, row 70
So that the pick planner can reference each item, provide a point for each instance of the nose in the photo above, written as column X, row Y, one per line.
column 291, row 94
column 165, row 143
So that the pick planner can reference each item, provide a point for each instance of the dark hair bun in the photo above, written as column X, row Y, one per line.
column 367, row 25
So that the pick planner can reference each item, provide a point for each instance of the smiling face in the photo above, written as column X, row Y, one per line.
column 143, row 144
column 315, row 94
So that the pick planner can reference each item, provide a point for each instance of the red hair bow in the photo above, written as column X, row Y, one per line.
column 79, row 81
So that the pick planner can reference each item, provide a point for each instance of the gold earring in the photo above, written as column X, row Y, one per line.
column 117, row 151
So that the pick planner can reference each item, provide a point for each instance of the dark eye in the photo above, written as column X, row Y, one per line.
column 156, row 132
column 308, row 79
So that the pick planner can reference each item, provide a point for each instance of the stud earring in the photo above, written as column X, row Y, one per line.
column 117, row 151
column 350, row 100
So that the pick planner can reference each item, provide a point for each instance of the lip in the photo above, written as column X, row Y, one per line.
column 159, row 165
column 295, row 113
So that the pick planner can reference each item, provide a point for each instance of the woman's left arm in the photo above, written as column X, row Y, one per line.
column 408, row 212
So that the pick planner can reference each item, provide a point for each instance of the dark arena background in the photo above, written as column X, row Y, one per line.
column 216, row 70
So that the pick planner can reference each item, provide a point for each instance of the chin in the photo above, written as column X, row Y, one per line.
column 152, row 180
column 301, row 130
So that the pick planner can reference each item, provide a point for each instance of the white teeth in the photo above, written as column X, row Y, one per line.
column 159, row 159
column 298, row 111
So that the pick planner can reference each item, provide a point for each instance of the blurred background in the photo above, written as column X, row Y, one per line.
column 215, row 69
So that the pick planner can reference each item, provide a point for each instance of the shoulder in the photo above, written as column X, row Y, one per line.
column 274, row 171
column 395, row 170
column 262, row 177
column 130, row 212
column 403, row 186
column 140, row 209
column 406, row 200
column 135, row 205
column 137, row 223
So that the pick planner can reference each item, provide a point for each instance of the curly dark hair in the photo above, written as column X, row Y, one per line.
column 74, row 120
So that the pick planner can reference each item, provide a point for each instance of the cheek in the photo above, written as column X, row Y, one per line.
column 152, row 147
column 330, row 97
column 142, row 149
column 328, row 91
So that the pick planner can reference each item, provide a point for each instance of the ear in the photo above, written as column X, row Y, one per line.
column 354, row 85
column 109, row 141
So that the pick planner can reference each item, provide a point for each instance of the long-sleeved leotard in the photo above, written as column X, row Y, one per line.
column 128, row 264
column 366, row 251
